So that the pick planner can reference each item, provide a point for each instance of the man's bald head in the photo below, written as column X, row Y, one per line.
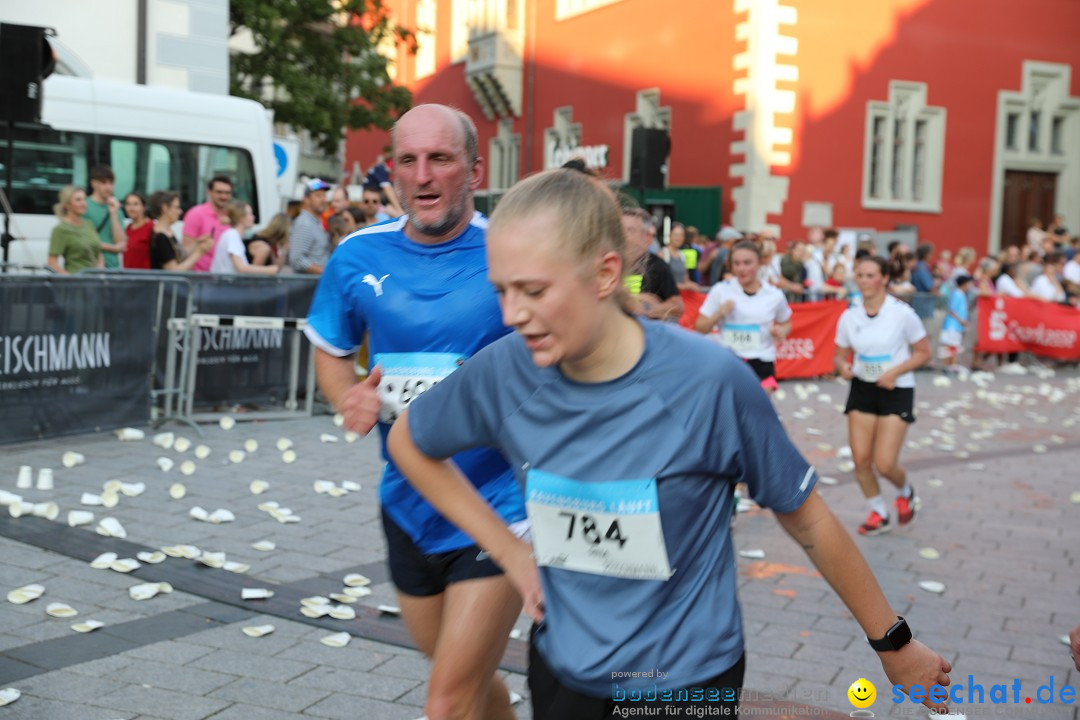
column 435, row 113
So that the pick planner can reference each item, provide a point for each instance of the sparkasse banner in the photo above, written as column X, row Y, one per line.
column 1046, row 329
column 75, row 355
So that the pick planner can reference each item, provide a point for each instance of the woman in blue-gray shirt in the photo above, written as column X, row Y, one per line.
column 628, row 473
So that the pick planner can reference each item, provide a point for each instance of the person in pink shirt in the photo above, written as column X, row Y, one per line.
column 209, row 219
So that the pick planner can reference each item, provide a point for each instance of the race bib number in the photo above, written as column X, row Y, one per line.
column 742, row 338
column 602, row 528
column 872, row 367
column 407, row 376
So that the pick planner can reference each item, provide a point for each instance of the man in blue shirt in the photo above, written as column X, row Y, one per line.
column 418, row 286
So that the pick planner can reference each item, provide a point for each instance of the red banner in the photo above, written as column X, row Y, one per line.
column 808, row 350
column 1020, row 324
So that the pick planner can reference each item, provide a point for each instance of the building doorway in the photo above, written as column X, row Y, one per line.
column 1027, row 195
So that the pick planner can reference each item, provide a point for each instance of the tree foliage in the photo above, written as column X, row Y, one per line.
column 317, row 66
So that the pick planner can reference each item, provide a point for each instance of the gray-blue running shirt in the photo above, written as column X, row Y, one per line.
column 629, row 488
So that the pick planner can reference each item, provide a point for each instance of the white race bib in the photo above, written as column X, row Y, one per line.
column 603, row 528
column 742, row 338
column 872, row 367
column 406, row 376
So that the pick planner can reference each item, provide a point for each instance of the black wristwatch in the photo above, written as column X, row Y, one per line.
column 897, row 637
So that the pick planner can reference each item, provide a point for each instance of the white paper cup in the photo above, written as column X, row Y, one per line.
column 112, row 527
column 75, row 518
column 6, row 497
column 47, row 510
column 72, row 458
column 26, row 478
column 18, row 509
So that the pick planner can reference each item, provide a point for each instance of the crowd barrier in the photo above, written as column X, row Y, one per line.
column 113, row 348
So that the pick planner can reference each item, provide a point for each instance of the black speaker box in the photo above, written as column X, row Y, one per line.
column 25, row 60
column 649, row 148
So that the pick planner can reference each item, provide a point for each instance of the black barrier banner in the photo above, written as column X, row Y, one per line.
column 246, row 365
column 75, row 355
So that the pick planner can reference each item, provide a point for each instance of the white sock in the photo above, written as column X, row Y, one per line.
column 877, row 504
column 907, row 491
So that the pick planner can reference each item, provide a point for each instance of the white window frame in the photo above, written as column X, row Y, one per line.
column 894, row 173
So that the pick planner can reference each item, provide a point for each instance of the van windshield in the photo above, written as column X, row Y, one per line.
column 45, row 160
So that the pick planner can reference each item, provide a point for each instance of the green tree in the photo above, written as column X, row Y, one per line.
column 316, row 64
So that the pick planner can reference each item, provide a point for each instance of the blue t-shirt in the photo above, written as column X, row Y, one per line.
column 427, row 308
column 958, row 303
column 692, row 441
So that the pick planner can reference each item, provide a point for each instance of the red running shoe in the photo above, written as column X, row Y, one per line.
column 907, row 507
column 875, row 525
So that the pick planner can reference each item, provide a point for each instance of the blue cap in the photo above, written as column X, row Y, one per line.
column 315, row 186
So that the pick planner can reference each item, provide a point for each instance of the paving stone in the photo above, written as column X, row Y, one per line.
column 348, row 707
column 250, row 663
column 250, row 691
column 159, row 675
column 67, row 686
column 338, row 680
column 412, row 668
column 170, row 652
column 164, row 703
column 34, row 708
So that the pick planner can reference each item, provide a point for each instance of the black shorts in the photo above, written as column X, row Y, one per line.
column 551, row 700
column 869, row 398
column 422, row 575
column 764, row 369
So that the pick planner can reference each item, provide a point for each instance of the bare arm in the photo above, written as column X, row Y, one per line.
column 781, row 330
column 705, row 323
column 841, row 564
column 456, row 499
column 54, row 263
column 119, row 243
column 358, row 402
column 672, row 308
column 842, row 362
column 246, row 268
column 920, row 355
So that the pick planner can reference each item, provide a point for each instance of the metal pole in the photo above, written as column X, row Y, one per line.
column 9, row 179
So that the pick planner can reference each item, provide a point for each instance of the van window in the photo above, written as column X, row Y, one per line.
column 47, row 160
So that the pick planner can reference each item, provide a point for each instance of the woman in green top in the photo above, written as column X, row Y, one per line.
column 74, row 239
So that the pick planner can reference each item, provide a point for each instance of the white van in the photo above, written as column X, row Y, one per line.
column 153, row 138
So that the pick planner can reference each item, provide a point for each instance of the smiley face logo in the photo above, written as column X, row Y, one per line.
column 862, row 693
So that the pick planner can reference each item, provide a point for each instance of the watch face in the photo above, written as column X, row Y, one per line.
column 899, row 635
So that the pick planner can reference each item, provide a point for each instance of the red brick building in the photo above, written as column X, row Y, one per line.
column 959, row 119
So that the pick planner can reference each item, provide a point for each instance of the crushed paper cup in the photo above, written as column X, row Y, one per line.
column 284, row 444
column 258, row 487
column 212, row 559
column 288, row 457
column 328, row 438
column 133, row 489
column 164, row 440
column 356, row 580
column 515, row 634
column 182, row 445
column 337, row 492
column 1038, row 449
column 45, row 477
column 75, row 518
column 322, row 486
column 236, row 567
column 268, row 505
column 342, row 612
column 103, row 561
column 1074, row 498
column 357, row 592
column 929, row 553
column 221, row 515
column 198, row 513
column 187, row 467
column 256, row 594
column 47, row 510
column 26, row 478
column 87, row 626
column 111, row 527
column 932, row 586
column 113, row 486
column 177, row 491
column 826, row 480
column 110, row 499
column 202, row 452
column 339, row 419
column 315, row 601
column 25, row 594
column 337, row 640
column 935, row 483
column 389, row 609
column 846, row 466
column 343, row 598
column 60, row 610
column 752, row 554
column 351, row 437
column 351, row 486
column 227, row 423
column 165, row 464
column 251, row 445
column 315, row 612
column 145, row 591
column 264, row 545
column 514, row 697
column 71, row 458
column 151, row 558
column 258, row 630
column 9, row 695
column 237, row 456
column 90, row 499
column 125, row 565
column 128, row 434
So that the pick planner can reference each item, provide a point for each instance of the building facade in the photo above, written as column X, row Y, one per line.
column 953, row 120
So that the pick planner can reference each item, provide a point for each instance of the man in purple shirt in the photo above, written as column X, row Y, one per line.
column 208, row 219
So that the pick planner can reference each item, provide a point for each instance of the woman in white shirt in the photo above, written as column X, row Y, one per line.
column 1048, row 286
column 1011, row 283
column 749, row 314
column 230, row 256
column 878, row 346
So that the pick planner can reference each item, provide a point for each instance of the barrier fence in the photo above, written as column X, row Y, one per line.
column 109, row 348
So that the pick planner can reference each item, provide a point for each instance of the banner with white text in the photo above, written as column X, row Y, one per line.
column 1009, row 325
column 75, row 355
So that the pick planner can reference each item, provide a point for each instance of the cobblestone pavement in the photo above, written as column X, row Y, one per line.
column 995, row 466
